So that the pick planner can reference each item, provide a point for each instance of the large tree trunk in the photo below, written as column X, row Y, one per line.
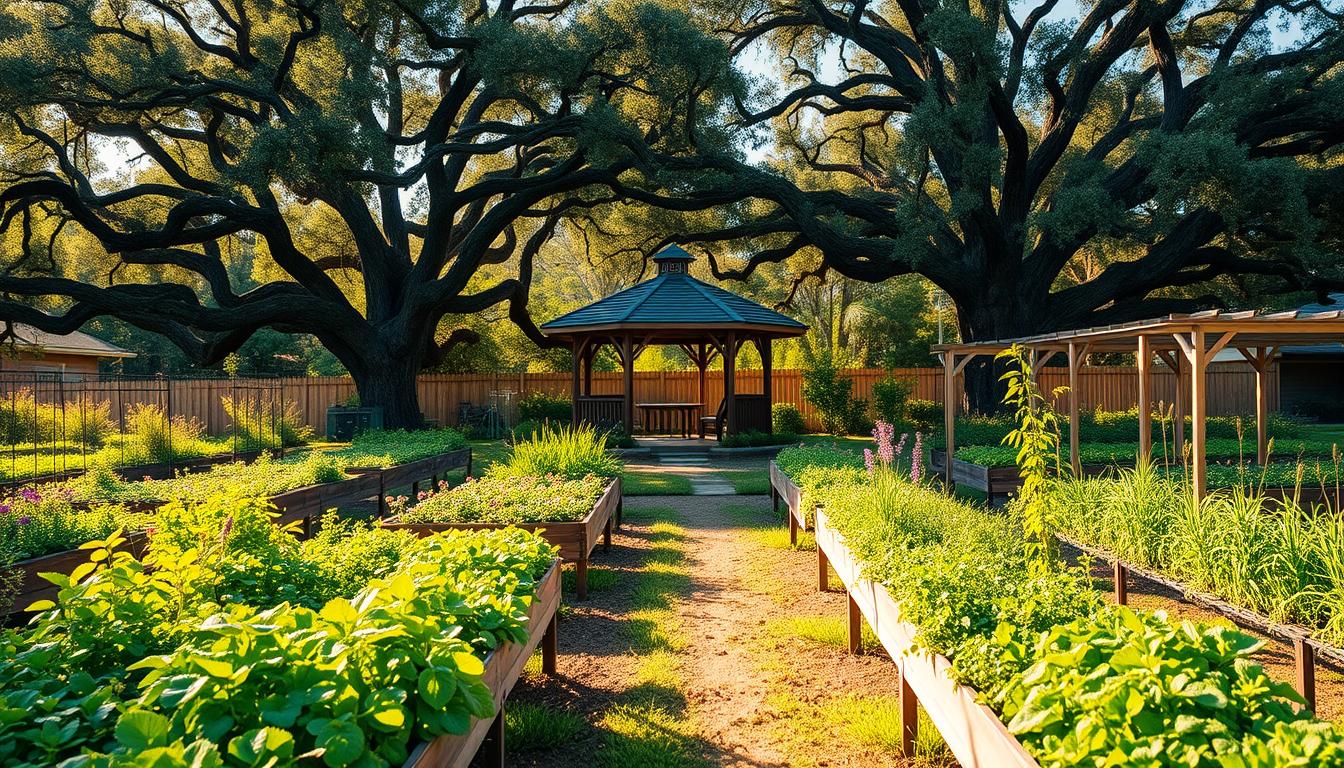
column 1005, row 318
column 388, row 381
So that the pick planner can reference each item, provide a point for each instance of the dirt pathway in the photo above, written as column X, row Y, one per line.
column 764, row 676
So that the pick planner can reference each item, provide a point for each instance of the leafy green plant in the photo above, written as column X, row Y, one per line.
column 785, row 418
column 1036, row 438
column 503, row 500
column 1217, row 450
column 925, row 415
column 1161, row 693
column 156, row 438
column 889, row 398
column 571, row 452
column 830, row 393
column 264, row 477
column 138, row 660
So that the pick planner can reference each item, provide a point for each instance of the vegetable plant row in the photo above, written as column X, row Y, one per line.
column 1120, row 427
column 1126, row 453
column 55, row 518
column 1074, row 680
column 231, row 642
column 562, row 483
column 1269, row 554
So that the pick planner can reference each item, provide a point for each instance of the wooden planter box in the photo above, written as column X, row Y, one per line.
column 974, row 734
column 412, row 472
column 576, row 539
column 782, row 488
column 502, row 668
column 311, row 501
column 34, row 587
column 992, row 481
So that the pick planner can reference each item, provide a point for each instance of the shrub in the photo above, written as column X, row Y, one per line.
column 543, row 407
column 890, row 395
column 785, row 417
column 830, row 394
column 567, row 452
column 753, row 438
column 503, row 500
column 267, row 424
column 924, row 415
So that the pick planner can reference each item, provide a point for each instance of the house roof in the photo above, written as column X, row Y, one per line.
column 671, row 300
column 74, row 343
column 1317, row 349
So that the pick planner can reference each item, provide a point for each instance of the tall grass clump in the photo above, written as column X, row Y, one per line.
column 26, row 420
column 569, row 452
column 153, row 437
column 266, row 424
column 1280, row 557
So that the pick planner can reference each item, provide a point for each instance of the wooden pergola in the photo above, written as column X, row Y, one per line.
column 673, row 308
column 1184, row 343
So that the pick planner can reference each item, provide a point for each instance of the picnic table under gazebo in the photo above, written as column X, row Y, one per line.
column 673, row 308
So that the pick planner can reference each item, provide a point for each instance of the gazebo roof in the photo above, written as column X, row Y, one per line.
column 674, row 300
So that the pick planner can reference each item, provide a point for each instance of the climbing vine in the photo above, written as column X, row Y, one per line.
column 1036, row 438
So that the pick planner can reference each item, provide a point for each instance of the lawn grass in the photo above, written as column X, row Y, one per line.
column 598, row 579
column 823, row 630
column 875, row 722
column 748, row 482
column 766, row 532
column 532, row 727
column 650, row 483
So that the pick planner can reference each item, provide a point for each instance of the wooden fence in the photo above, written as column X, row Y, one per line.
column 1231, row 390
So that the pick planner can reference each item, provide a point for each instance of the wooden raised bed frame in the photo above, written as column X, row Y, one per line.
column 782, row 488
column 973, row 733
column 502, row 668
column 576, row 539
column 413, row 472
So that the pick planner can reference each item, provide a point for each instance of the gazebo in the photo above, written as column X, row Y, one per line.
column 673, row 308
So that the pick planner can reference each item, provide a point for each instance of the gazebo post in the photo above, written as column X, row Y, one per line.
column 730, row 385
column 1262, row 405
column 589, row 352
column 767, row 387
column 1198, row 411
column 1143, row 359
column 574, row 399
column 628, row 360
column 703, row 364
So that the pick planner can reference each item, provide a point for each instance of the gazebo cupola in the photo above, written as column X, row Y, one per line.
column 673, row 308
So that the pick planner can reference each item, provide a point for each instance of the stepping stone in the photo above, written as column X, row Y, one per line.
column 714, row 487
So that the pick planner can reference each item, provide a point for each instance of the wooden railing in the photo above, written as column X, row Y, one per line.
column 602, row 411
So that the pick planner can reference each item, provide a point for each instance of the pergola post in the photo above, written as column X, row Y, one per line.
column 1075, row 359
column 628, row 361
column 1260, row 359
column 1143, row 359
column 730, row 385
column 949, row 415
column 1198, row 411
column 1178, row 407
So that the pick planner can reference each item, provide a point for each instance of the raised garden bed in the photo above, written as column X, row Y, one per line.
column 782, row 488
column 502, row 669
column 992, row 481
column 34, row 587
column 304, row 504
column 413, row 472
column 973, row 733
column 576, row 539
